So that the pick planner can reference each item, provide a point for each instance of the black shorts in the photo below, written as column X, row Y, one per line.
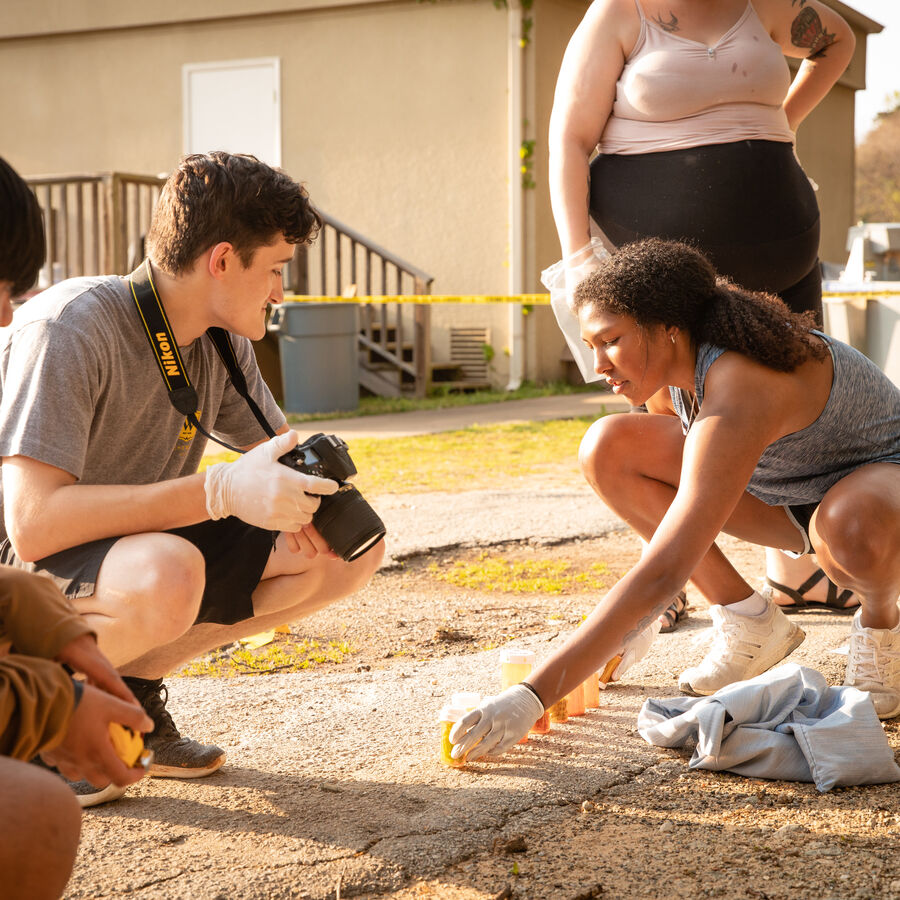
column 800, row 515
column 747, row 205
column 235, row 554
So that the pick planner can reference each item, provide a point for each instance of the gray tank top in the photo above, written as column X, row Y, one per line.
column 859, row 424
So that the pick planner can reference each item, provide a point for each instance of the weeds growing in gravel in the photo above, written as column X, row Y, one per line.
column 489, row 572
column 284, row 656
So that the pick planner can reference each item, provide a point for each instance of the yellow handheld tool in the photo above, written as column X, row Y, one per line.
column 129, row 745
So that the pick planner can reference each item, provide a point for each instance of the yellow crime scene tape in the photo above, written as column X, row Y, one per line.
column 526, row 299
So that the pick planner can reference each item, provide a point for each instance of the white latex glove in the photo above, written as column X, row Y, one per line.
column 261, row 491
column 636, row 649
column 496, row 724
column 578, row 265
column 561, row 279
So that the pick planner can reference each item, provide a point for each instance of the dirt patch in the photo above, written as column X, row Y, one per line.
column 409, row 612
column 321, row 804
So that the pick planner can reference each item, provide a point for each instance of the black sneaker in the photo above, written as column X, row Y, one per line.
column 174, row 756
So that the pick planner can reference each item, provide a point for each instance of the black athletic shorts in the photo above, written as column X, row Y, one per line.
column 800, row 515
column 235, row 554
column 747, row 205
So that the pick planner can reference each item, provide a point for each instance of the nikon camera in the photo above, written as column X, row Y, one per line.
column 344, row 519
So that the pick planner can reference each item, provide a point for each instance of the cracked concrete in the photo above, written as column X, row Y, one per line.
column 333, row 787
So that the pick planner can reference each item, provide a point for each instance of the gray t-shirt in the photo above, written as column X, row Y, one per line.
column 860, row 424
column 80, row 389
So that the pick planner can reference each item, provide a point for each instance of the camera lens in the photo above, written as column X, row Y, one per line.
column 349, row 525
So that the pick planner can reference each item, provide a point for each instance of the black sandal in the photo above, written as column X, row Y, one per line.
column 834, row 602
column 674, row 613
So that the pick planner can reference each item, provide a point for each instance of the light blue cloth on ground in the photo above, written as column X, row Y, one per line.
column 786, row 724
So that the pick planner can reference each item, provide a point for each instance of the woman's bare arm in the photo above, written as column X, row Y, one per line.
column 585, row 91
column 811, row 31
column 738, row 420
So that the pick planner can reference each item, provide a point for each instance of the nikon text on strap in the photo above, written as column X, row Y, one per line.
column 165, row 350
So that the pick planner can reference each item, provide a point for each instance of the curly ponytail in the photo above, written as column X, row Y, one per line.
column 667, row 283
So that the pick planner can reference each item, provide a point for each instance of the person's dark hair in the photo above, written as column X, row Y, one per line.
column 667, row 283
column 22, row 244
column 213, row 197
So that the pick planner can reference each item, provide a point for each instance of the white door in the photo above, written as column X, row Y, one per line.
column 235, row 106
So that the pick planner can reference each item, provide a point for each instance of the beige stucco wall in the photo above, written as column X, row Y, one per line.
column 394, row 114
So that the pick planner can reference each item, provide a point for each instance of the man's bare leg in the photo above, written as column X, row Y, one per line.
column 291, row 588
column 148, row 593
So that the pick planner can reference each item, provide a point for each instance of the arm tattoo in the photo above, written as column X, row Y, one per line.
column 807, row 31
column 671, row 25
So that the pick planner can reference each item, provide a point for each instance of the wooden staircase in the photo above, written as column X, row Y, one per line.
column 96, row 224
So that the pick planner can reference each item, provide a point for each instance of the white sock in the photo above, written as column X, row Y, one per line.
column 754, row 605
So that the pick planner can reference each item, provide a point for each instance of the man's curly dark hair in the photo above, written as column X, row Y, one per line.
column 218, row 196
column 659, row 282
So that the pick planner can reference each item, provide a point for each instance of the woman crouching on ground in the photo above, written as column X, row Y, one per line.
column 782, row 436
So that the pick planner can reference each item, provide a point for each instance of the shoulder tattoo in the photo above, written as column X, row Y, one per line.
column 807, row 31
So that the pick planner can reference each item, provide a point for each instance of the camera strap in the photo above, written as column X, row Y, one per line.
column 165, row 350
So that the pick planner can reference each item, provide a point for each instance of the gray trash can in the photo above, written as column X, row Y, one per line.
column 319, row 357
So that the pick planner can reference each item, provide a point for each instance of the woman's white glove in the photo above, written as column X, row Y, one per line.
column 578, row 265
column 496, row 723
column 636, row 649
column 261, row 491
column 561, row 279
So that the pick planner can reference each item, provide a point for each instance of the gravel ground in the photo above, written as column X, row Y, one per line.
column 333, row 788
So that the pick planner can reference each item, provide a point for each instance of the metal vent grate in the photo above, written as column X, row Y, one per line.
column 467, row 352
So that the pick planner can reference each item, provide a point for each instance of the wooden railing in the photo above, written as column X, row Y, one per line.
column 97, row 224
column 394, row 338
column 94, row 223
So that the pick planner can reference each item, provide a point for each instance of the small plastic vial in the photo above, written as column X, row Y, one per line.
column 576, row 701
column 467, row 700
column 447, row 718
column 515, row 666
column 559, row 712
column 606, row 675
column 592, row 691
column 542, row 726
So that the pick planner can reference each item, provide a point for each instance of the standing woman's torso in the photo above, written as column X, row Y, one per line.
column 675, row 92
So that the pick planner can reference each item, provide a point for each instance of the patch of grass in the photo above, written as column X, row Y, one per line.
column 478, row 457
column 442, row 398
column 288, row 656
column 541, row 576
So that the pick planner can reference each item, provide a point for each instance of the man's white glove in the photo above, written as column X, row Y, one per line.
column 261, row 491
column 496, row 723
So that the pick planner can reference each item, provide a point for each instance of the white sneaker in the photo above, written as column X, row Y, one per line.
column 87, row 795
column 743, row 647
column 874, row 666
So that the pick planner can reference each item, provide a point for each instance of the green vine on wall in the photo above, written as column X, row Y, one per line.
column 526, row 154
column 527, row 19
column 526, row 148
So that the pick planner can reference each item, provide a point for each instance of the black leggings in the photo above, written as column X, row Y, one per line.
column 747, row 205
